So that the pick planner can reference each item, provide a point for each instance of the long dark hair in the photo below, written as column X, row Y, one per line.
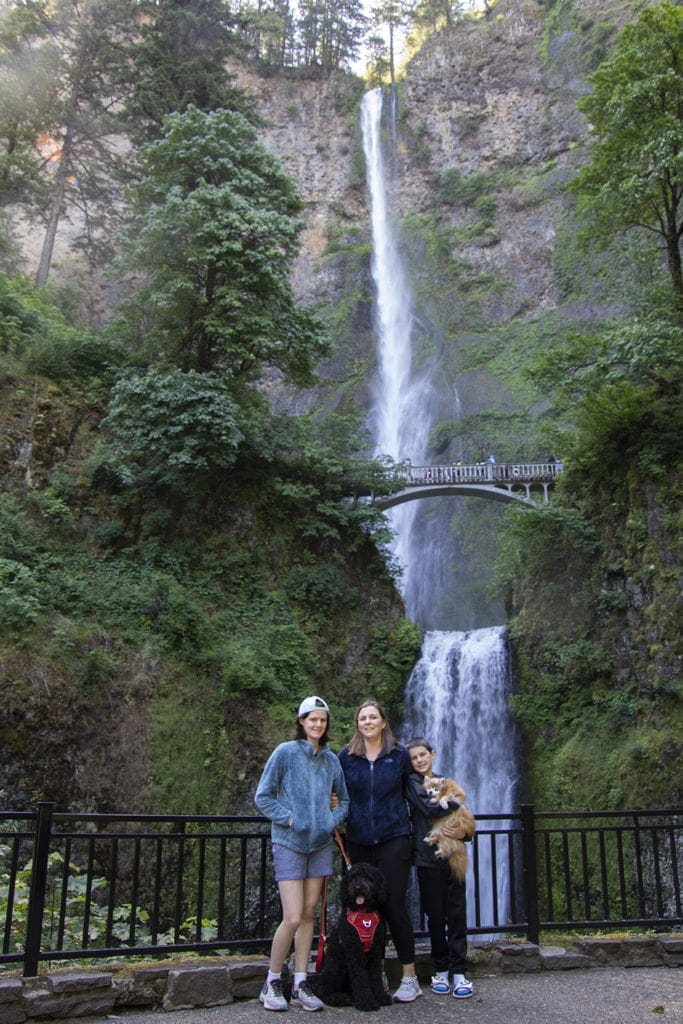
column 356, row 744
column 300, row 734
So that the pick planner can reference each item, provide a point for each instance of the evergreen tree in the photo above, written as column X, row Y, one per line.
column 180, row 60
column 77, row 48
column 393, row 15
column 436, row 14
column 634, row 176
column 269, row 32
column 331, row 32
column 25, row 95
column 214, row 230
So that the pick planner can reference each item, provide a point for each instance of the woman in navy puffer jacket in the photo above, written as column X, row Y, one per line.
column 378, row 829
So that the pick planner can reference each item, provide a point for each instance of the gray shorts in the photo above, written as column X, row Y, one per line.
column 290, row 865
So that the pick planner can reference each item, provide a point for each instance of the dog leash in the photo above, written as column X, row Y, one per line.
column 342, row 849
column 322, row 938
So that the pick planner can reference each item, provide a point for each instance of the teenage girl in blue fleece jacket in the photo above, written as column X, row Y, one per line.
column 294, row 792
column 378, row 829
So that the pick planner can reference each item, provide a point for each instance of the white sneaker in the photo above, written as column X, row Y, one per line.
column 306, row 998
column 440, row 984
column 271, row 996
column 462, row 988
column 408, row 990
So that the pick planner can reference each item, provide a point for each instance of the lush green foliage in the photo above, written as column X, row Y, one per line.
column 594, row 715
column 180, row 56
column 214, row 230
column 35, row 331
column 320, row 36
column 202, row 544
column 61, row 141
column 174, row 426
column 634, row 177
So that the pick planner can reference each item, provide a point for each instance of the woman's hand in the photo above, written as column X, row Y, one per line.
column 334, row 801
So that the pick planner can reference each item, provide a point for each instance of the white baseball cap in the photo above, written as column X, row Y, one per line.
column 312, row 704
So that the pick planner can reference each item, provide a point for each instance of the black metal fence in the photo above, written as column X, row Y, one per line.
column 93, row 885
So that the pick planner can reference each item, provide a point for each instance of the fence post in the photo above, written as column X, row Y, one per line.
column 530, row 872
column 36, row 903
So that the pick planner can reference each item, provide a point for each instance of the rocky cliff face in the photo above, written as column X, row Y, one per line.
column 486, row 97
column 491, row 101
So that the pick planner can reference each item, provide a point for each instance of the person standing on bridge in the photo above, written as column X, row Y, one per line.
column 378, row 830
column 295, row 791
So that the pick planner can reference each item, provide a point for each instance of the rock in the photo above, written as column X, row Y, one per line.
column 604, row 951
column 519, row 957
column 641, row 952
column 247, row 979
column 198, row 986
column 10, row 990
column 671, row 947
column 556, row 958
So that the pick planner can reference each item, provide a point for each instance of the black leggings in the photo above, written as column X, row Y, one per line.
column 444, row 902
column 393, row 858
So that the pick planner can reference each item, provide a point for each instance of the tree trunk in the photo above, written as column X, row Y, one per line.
column 58, row 190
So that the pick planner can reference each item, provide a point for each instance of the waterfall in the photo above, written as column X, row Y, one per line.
column 457, row 695
column 400, row 396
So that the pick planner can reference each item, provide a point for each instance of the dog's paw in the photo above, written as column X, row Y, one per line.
column 367, row 1007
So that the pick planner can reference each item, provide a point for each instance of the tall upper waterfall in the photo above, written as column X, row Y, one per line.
column 401, row 419
column 457, row 695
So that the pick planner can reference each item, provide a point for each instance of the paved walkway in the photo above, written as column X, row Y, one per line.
column 639, row 995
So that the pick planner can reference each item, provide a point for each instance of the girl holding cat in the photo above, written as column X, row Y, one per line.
column 443, row 897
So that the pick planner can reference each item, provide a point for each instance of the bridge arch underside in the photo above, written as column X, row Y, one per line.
column 458, row 491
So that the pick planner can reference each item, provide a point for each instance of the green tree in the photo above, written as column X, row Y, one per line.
column 172, row 426
column 634, row 176
column 393, row 15
column 179, row 59
column 436, row 14
column 214, row 230
column 25, row 94
column 331, row 32
column 78, row 49
column 268, row 31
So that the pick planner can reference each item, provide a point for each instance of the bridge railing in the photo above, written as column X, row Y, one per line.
column 86, row 885
column 481, row 473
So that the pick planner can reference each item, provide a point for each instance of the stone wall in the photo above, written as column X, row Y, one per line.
column 88, row 993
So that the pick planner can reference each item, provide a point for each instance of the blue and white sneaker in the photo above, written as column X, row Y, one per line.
column 272, row 996
column 462, row 988
column 306, row 998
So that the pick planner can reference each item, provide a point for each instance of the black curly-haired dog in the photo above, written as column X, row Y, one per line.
column 352, row 969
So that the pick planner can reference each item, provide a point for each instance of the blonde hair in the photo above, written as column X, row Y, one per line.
column 356, row 744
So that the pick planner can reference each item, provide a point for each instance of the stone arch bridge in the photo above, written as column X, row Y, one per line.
column 526, row 482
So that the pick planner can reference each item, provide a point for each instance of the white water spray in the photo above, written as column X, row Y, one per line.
column 401, row 419
column 457, row 695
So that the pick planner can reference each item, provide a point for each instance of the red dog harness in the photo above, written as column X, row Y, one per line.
column 365, row 925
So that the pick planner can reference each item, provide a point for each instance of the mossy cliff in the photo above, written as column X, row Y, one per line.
column 156, row 645
column 488, row 136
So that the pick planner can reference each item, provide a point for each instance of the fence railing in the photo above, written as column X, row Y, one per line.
column 92, row 885
column 480, row 472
